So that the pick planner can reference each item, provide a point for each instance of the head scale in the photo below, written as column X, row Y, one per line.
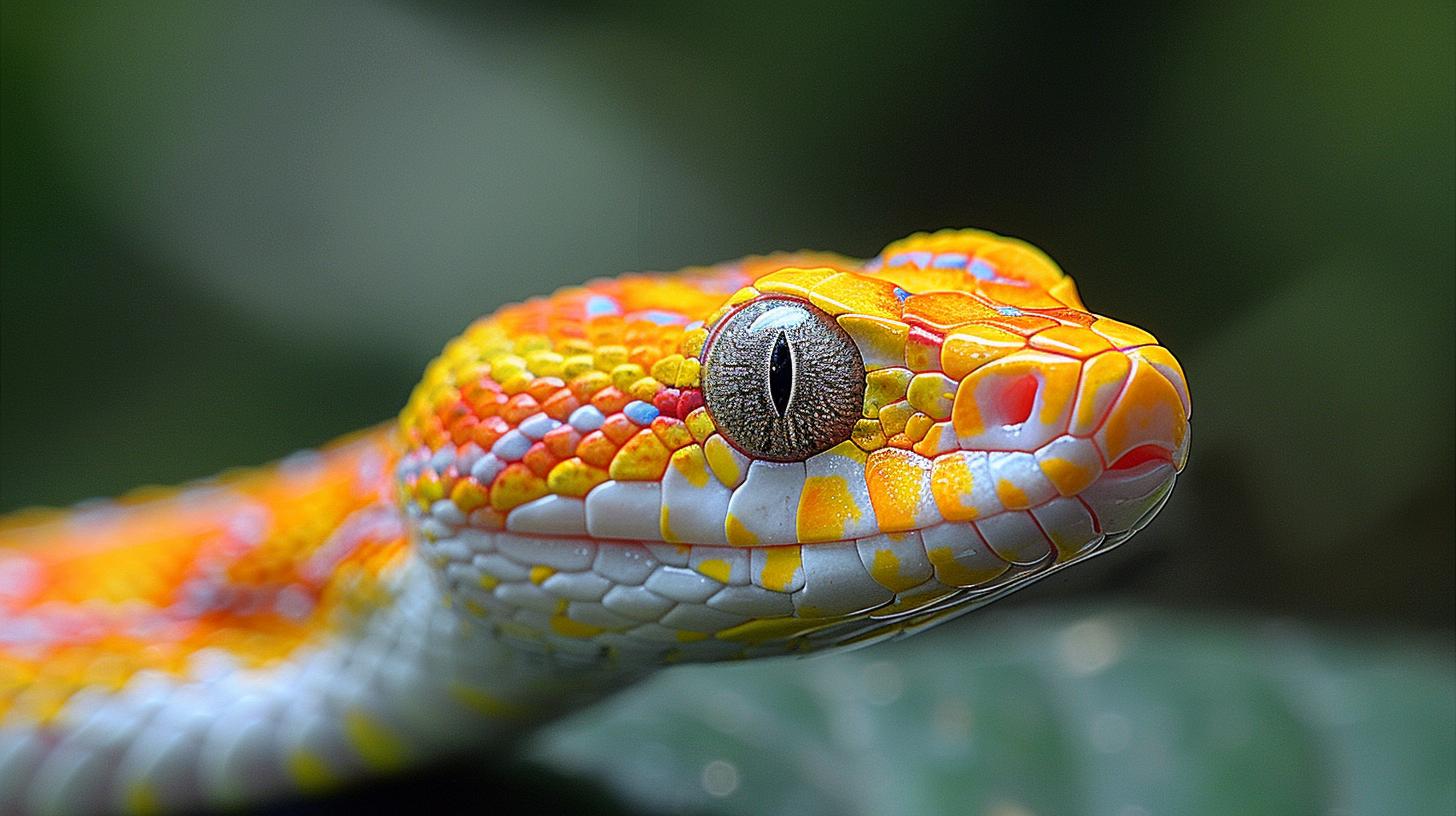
column 784, row 453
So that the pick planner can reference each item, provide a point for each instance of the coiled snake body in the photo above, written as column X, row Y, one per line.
column 772, row 456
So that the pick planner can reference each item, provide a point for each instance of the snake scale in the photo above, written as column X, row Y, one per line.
column 773, row 456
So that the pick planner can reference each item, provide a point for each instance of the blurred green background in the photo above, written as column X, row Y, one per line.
column 228, row 231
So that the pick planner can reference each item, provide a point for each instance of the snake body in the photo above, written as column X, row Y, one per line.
column 566, row 504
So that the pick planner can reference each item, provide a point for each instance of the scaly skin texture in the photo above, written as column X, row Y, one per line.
column 557, row 512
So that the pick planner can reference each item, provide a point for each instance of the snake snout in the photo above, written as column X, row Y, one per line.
column 1144, row 441
column 1067, row 430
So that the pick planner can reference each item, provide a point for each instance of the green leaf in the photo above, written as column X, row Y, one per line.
column 1119, row 711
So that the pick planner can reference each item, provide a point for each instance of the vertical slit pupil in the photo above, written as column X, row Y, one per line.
column 781, row 374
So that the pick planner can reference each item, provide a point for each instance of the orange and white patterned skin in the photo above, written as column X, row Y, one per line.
column 557, row 512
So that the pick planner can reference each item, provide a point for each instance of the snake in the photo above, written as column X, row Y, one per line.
column 781, row 455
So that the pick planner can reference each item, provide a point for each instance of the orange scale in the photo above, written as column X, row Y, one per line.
column 462, row 430
column 540, row 459
column 790, row 281
column 1025, row 325
column 573, row 477
column 543, row 388
column 970, row 347
column 519, row 407
column 488, row 431
column 1149, row 413
column 433, row 424
column 1102, row 379
column 562, row 441
column 643, row 356
column 901, row 440
column 435, row 437
column 469, row 495
column 567, row 297
column 674, row 433
column 610, row 400
column 516, row 485
column 899, row 483
column 929, row 446
column 642, row 459
column 588, row 384
column 507, row 320
column 449, row 414
column 444, row 396
column 1121, row 335
column 916, row 279
column 851, row 293
column 487, row 406
column 945, row 310
column 651, row 333
column 607, row 330
column 1022, row 297
column 539, row 319
column 922, row 350
column 619, row 428
column 568, row 328
column 560, row 405
column 1069, row 317
column 1071, row 341
column 1022, row 262
column 482, row 390
column 597, row 449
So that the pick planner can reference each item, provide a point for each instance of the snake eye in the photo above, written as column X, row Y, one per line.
column 781, row 380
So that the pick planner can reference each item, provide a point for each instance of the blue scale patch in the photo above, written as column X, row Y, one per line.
column 1009, row 311
column 920, row 259
column 982, row 270
column 901, row 294
column 950, row 260
column 641, row 413
column 659, row 317
column 598, row 305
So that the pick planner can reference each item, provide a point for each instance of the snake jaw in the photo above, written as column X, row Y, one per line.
column 1145, row 441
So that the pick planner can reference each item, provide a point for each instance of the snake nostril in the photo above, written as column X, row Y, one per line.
column 1016, row 399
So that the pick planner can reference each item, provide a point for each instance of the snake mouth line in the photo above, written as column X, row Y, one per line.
column 578, row 595
column 1142, row 455
column 1150, row 468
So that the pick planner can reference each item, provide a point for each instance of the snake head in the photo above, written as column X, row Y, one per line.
column 784, row 453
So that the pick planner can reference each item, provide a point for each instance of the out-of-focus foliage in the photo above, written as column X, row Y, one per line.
column 1109, row 710
column 228, row 231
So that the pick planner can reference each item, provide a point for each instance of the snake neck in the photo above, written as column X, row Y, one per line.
column 249, row 676
column 414, row 680
column 406, row 683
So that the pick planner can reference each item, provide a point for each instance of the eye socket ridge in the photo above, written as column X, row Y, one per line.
column 781, row 380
